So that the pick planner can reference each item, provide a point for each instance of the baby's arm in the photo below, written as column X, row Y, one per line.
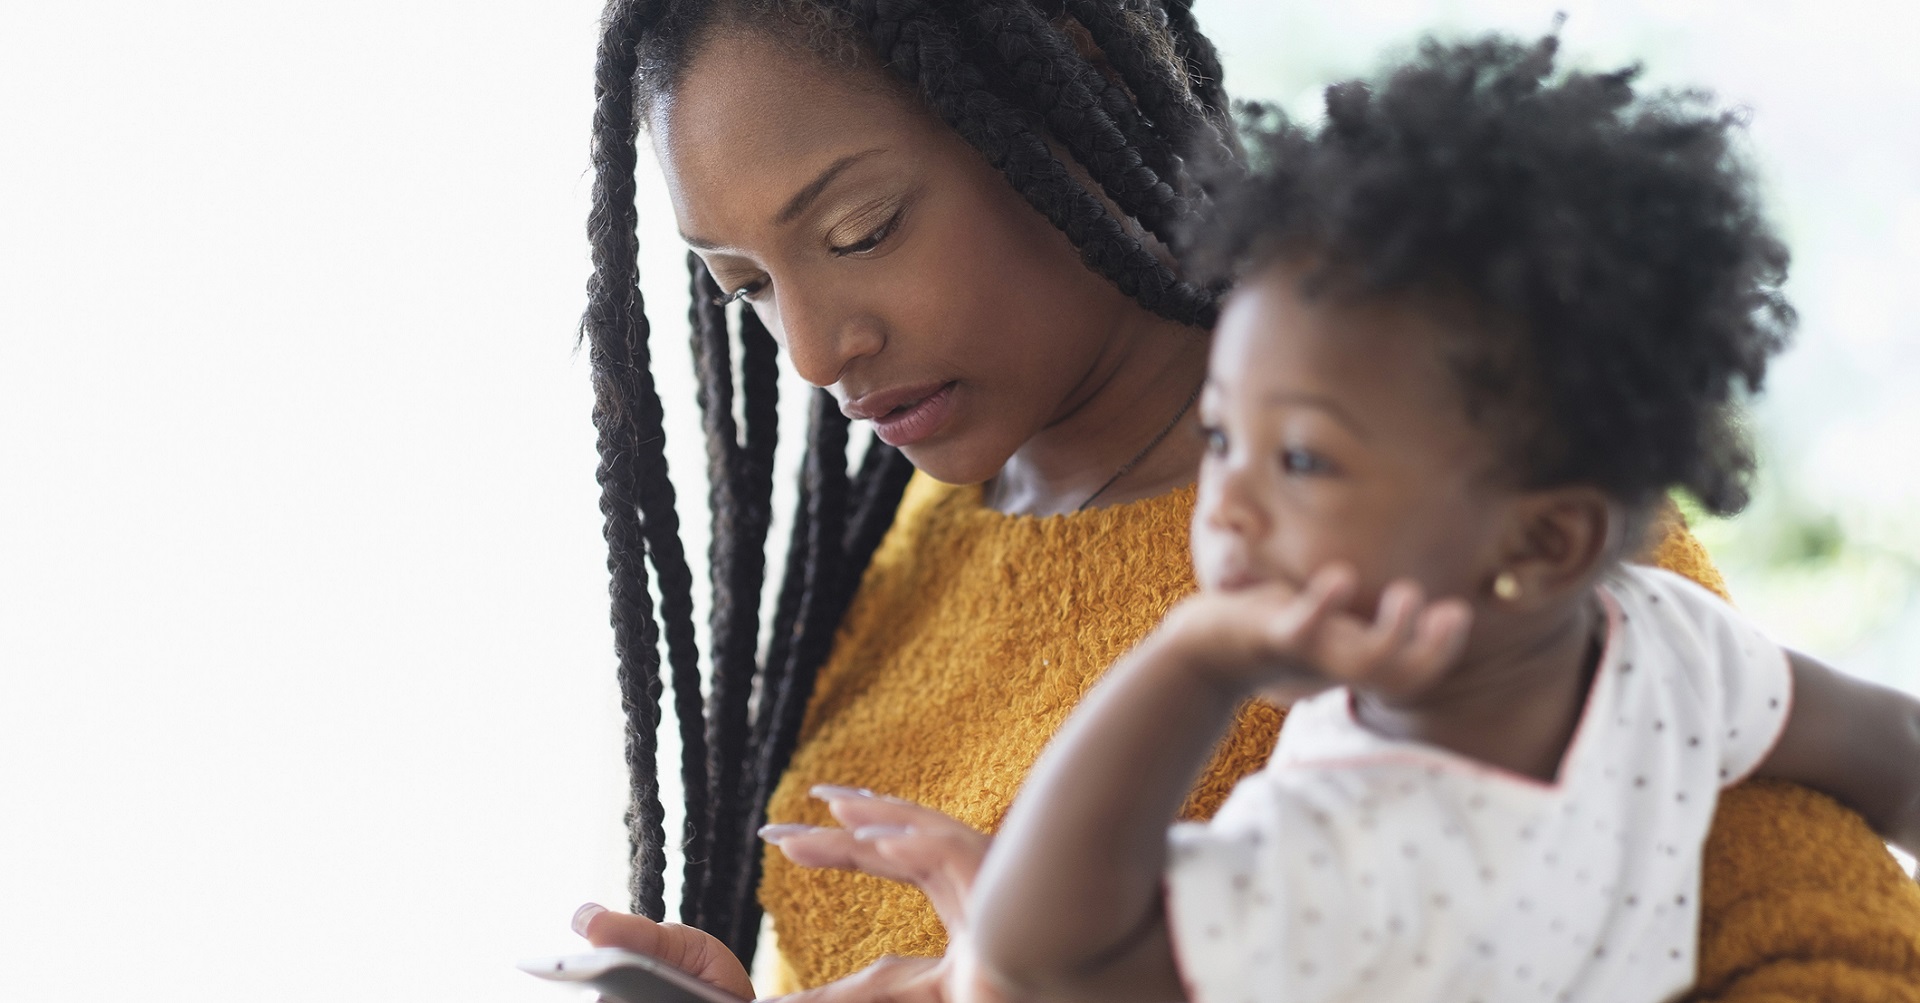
column 1068, row 904
column 1856, row 741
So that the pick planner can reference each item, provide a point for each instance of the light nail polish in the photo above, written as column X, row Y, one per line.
column 584, row 915
column 827, row 792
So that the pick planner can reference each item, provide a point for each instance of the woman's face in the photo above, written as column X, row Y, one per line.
column 896, row 266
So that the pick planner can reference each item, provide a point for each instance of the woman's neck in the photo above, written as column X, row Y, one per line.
column 1130, row 397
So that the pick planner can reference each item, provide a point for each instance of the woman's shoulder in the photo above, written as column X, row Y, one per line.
column 1673, row 547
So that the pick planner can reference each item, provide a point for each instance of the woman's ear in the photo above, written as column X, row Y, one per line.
column 1558, row 540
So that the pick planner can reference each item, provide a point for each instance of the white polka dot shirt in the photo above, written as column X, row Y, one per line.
column 1360, row 867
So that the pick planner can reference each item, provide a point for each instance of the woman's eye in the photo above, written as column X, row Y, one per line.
column 871, row 240
column 1304, row 461
column 744, row 292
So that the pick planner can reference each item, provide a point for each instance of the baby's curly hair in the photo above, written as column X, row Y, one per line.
column 1611, row 246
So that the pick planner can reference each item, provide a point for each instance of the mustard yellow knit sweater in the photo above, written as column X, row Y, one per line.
column 975, row 633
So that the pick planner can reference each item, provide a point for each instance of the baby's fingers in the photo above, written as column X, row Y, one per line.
column 1326, row 594
column 1407, row 646
column 1437, row 637
column 1372, row 653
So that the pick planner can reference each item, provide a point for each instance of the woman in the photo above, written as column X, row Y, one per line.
column 956, row 220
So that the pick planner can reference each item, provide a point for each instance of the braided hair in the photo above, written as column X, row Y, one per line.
column 1626, row 283
column 1008, row 75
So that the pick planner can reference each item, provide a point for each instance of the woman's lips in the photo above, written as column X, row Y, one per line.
column 908, row 417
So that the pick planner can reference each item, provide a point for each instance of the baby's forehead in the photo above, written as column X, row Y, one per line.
column 1382, row 365
column 1282, row 325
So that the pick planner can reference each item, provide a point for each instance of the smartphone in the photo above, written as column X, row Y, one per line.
column 625, row 977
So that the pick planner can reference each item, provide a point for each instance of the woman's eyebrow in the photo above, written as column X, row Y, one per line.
column 801, row 199
column 805, row 196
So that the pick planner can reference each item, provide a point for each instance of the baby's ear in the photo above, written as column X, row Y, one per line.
column 1559, row 538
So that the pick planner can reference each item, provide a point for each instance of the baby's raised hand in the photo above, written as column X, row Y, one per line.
column 1289, row 643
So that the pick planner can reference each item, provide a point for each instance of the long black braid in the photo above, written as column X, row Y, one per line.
column 1099, row 125
column 614, row 322
column 1009, row 77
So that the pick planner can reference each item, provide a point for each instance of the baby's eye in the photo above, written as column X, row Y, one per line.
column 1304, row 461
column 1215, row 439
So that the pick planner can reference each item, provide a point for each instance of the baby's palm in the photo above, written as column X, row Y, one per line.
column 1292, row 643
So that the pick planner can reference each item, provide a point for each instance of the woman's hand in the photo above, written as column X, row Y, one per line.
column 949, row 979
column 891, row 838
column 883, row 836
column 1290, row 643
column 892, row 979
column 894, row 839
column 696, row 952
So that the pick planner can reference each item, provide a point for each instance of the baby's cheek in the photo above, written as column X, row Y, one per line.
column 1209, row 557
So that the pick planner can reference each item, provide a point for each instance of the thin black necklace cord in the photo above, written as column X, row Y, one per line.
column 1127, row 467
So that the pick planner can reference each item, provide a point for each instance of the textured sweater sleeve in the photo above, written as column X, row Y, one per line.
column 1800, row 901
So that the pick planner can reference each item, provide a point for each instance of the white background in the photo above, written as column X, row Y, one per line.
column 305, row 681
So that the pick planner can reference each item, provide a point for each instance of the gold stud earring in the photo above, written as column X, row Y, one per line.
column 1506, row 585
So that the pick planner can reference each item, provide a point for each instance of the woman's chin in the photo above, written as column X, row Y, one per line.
column 952, row 463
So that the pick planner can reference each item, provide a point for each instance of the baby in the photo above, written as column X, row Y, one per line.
column 1487, row 320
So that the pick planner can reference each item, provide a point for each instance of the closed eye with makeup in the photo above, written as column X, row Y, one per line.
column 835, row 216
column 896, row 268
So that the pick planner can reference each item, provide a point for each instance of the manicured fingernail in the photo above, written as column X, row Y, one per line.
column 775, row 833
column 827, row 792
column 584, row 915
column 881, row 831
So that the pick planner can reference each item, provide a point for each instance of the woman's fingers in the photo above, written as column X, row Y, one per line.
column 855, row 807
column 894, row 839
column 696, row 952
column 941, row 863
column 825, row 846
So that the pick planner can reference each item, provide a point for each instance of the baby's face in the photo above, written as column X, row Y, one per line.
column 1337, row 433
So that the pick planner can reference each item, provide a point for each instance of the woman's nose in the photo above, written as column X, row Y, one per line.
column 820, row 338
